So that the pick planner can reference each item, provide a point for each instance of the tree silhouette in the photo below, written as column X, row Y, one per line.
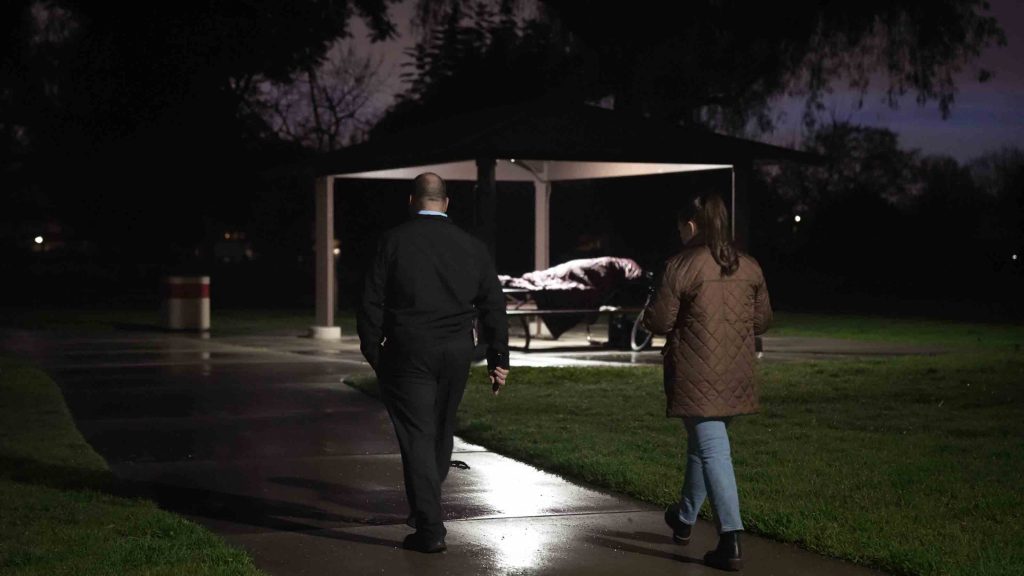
column 133, row 119
column 323, row 107
column 1000, row 175
column 717, row 63
column 110, row 70
column 880, row 220
column 480, row 54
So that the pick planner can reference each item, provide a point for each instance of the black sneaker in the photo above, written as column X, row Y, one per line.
column 728, row 555
column 680, row 530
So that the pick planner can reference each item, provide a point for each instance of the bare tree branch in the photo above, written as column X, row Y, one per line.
column 323, row 108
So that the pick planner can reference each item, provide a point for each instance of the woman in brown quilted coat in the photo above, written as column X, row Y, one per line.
column 710, row 304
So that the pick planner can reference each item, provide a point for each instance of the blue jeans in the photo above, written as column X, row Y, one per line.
column 709, row 473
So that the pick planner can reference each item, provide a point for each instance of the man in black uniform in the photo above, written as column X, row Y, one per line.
column 428, row 282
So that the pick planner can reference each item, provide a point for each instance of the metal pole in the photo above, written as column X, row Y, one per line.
column 732, row 175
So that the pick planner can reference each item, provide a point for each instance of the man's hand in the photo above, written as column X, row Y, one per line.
column 498, row 377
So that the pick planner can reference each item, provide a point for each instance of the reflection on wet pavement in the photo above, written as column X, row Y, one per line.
column 588, row 358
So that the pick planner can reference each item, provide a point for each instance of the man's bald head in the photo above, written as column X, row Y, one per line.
column 430, row 188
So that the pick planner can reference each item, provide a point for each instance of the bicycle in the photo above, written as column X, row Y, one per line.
column 639, row 337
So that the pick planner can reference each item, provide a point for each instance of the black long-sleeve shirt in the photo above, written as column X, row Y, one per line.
column 428, row 281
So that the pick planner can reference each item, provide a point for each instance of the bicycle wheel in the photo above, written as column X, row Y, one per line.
column 639, row 337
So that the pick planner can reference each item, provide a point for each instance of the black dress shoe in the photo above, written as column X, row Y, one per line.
column 680, row 530
column 728, row 555
column 426, row 544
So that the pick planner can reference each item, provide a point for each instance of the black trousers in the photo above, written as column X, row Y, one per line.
column 422, row 387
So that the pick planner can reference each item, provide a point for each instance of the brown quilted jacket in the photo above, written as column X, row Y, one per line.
column 710, row 321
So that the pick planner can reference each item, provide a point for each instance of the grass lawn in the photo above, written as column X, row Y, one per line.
column 910, row 464
column 909, row 330
column 57, row 517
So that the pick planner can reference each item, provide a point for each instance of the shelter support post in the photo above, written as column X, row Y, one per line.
column 486, row 203
column 541, row 229
column 541, row 225
column 742, row 173
column 325, row 274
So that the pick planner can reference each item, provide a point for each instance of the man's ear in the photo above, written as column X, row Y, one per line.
column 446, row 201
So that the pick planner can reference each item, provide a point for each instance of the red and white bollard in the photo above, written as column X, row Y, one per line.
column 186, row 303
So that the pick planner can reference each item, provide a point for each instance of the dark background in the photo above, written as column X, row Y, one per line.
column 141, row 143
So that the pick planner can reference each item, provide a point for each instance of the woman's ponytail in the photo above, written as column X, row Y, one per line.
column 708, row 211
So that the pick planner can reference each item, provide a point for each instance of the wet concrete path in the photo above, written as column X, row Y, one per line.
column 258, row 439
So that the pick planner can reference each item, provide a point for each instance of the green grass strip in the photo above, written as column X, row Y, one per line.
column 57, row 516
column 904, row 330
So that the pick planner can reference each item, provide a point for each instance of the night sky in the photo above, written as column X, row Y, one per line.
column 984, row 117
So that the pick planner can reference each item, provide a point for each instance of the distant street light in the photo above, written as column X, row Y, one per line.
column 337, row 251
column 796, row 218
column 39, row 240
column 1014, row 257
